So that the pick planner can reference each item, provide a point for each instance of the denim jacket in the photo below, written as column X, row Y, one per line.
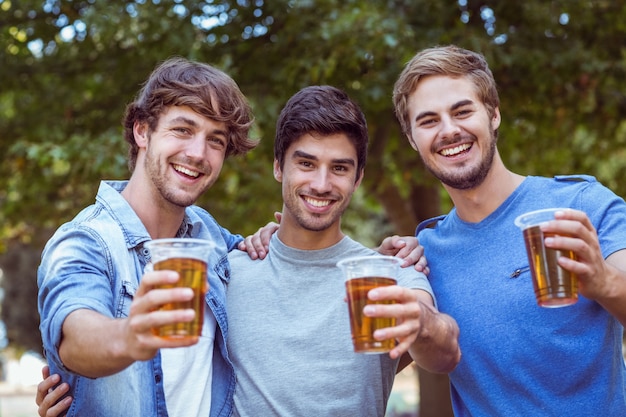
column 95, row 262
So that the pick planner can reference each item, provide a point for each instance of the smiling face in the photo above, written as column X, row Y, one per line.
column 183, row 155
column 318, row 177
column 452, row 130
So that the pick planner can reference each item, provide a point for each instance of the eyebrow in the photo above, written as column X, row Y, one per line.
column 344, row 161
column 182, row 119
column 452, row 108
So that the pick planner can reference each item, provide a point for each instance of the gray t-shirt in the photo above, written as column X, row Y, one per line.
column 289, row 336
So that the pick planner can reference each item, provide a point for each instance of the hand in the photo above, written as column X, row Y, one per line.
column 50, row 394
column 407, row 310
column 145, row 314
column 406, row 248
column 577, row 234
column 258, row 244
column 429, row 336
column 114, row 344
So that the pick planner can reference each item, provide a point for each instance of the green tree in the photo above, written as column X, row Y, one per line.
column 69, row 67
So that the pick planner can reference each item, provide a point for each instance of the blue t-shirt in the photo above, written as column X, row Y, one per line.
column 519, row 359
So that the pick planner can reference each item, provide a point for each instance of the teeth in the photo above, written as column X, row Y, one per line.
column 456, row 150
column 186, row 171
column 316, row 203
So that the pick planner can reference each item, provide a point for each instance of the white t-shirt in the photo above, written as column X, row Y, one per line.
column 188, row 373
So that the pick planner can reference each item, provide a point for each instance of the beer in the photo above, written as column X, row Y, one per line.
column 553, row 285
column 192, row 275
column 189, row 258
column 362, row 326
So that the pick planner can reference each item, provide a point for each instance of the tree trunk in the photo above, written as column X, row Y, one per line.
column 434, row 394
column 424, row 202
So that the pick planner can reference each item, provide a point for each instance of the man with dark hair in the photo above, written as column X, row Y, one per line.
column 289, row 333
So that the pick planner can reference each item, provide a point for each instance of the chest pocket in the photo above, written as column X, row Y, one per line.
column 125, row 296
column 222, row 269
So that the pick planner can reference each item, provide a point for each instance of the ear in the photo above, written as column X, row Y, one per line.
column 495, row 120
column 278, row 173
column 358, row 182
column 140, row 132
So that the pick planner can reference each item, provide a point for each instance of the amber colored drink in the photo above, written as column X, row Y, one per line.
column 362, row 326
column 193, row 274
column 554, row 286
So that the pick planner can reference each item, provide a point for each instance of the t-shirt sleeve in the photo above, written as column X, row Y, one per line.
column 607, row 212
column 410, row 278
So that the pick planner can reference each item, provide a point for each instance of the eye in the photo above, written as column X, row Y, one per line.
column 463, row 112
column 341, row 168
column 427, row 121
column 217, row 141
column 182, row 130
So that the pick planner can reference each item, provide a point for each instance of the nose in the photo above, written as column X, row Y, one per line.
column 320, row 183
column 196, row 147
column 449, row 128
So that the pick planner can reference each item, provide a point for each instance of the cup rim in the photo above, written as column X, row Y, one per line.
column 519, row 223
column 353, row 259
column 183, row 241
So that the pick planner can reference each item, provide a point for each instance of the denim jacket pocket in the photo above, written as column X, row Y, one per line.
column 126, row 294
column 222, row 269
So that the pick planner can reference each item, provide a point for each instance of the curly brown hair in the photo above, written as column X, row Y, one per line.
column 203, row 88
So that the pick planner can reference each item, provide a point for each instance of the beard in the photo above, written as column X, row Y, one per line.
column 313, row 221
column 175, row 196
column 466, row 177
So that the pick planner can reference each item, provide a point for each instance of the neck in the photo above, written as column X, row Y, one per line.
column 297, row 237
column 160, row 218
column 476, row 204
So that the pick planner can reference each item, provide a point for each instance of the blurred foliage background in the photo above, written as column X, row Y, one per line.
column 68, row 68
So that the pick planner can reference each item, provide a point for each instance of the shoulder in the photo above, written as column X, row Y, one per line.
column 591, row 190
column 429, row 223
column 565, row 181
column 240, row 261
column 197, row 212
column 575, row 178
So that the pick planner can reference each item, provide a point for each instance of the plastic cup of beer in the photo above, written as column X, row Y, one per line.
column 553, row 285
column 363, row 274
column 189, row 258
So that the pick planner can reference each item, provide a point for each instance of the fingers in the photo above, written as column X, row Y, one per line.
column 388, row 245
column 49, row 397
column 573, row 223
column 156, row 289
column 406, row 309
column 574, row 232
column 48, row 383
column 258, row 244
column 406, row 248
column 151, row 279
column 58, row 409
column 147, row 312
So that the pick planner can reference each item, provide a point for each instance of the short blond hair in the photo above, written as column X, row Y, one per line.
column 450, row 61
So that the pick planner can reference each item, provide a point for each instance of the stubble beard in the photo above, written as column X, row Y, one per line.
column 311, row 221
column 466, row 178
column 159, row 179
